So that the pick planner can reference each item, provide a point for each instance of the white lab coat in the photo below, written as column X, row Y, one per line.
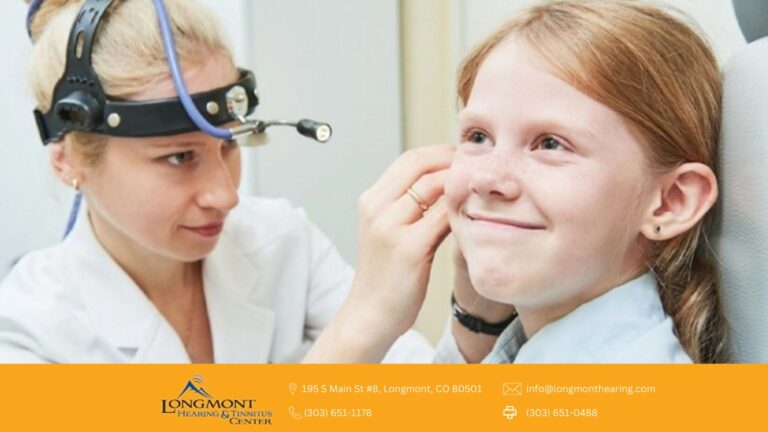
column 272, row 283
column 624, row 325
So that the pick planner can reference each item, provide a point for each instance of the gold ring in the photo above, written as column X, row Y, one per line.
column 417, row 199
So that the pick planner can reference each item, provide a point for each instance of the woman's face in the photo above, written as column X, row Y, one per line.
column 546, row 187
column 167, row 195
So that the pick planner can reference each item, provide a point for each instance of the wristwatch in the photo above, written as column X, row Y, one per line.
column 476, row 324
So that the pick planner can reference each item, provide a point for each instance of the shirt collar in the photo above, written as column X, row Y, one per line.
column 241, row 322
column 589, row 333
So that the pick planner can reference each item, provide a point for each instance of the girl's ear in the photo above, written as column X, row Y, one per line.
column 64, row 167
column 683, row 197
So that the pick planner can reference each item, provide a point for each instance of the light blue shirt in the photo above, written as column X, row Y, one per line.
column 625, row 325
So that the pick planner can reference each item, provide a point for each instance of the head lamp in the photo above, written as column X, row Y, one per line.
column 80, row 103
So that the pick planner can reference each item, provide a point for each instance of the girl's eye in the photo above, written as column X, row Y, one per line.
column 476, row 137
column 549, row 143
column 181, row 158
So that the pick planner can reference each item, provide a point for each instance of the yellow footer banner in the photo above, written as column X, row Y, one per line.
column 383, row 397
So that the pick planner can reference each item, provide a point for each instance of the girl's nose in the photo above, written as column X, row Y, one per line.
column 495, row 180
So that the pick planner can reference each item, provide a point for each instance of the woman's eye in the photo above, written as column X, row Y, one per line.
column 181, row 158
column 549, row 143
column 476, row 137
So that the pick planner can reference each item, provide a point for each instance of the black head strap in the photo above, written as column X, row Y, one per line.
column 79, row 102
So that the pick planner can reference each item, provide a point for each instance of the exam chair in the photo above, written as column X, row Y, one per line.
column 742, row 239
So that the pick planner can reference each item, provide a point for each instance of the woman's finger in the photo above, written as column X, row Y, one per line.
column 431, row 229
column 418, row 198
column 406, row 170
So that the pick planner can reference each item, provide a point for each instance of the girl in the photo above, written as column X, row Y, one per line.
column 582, row 188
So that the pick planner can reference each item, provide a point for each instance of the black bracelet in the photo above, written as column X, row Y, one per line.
column 476, row 324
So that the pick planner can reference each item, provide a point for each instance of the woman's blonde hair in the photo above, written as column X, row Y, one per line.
column 128, row 53
column 662, row 77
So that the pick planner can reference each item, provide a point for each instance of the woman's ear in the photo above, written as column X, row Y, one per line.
column 64, row 166
column 683, row 198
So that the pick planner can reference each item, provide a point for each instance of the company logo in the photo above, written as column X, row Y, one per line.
column 192, row 385
column 194, row 401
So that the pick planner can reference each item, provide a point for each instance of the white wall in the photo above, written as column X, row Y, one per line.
column 335, row 60
column 33, row 206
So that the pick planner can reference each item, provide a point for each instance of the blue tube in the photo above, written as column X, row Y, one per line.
column 73, row 214
column 178, row 80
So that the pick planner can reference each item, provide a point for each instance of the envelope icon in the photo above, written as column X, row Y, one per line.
column 512, row 389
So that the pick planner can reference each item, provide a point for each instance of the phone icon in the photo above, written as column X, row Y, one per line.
column 293, row 413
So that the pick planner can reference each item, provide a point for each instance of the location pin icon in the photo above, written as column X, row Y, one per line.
column 292, row 388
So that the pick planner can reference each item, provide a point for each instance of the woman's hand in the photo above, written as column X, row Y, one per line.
column 397, row 243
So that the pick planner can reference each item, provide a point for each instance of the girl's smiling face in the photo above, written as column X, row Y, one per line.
column 548, row 187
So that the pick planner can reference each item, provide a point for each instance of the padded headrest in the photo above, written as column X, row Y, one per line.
column 753, row 18
column 742, row 243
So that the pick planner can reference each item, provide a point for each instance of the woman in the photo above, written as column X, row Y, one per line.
column 580, row 194
column 166, row 263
